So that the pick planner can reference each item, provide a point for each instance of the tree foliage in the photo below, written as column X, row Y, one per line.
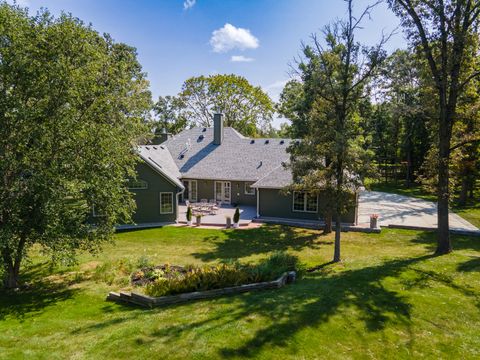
column 399, row 123
column 444, row 32
column 170, row 115
column 72, row 105
column 335, row 75
column 247, row 108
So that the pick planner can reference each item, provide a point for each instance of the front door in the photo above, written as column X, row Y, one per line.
column 223, row 192
column 190, row 192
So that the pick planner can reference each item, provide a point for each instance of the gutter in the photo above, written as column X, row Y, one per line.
column 178, row 201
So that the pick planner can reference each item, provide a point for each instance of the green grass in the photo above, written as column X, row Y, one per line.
column 389, row 298
column 399, row 188
column 471, row 213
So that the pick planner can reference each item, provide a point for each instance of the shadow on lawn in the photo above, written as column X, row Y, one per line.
column 470, row 265
column 39, row 295
column 309, row 303
column 261, row 240
column 459, row 242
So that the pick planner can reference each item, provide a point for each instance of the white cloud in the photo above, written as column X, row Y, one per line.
column 230, row 37
column 241, row 58
column 188, row 4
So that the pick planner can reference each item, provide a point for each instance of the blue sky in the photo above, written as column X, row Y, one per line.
column 174, row 37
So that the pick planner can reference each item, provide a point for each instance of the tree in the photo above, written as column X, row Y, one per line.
column 72, row 105
column 294, row 104
column 247, row 108
column 332, row 155
column 169, row 111
column 400, row 133
column 443, row 30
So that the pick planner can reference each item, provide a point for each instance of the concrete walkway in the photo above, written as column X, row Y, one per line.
column 406, row 211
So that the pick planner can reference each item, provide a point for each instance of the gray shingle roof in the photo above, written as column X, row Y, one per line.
column 160, row 159
column 278, row 178
column 237, row 158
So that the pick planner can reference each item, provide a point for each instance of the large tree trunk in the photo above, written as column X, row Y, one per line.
column 11, row 280
column 462, row 197
column 338, row 229
column 11, row 264
column 12, row 271
column 443, row 241
column 328, row 224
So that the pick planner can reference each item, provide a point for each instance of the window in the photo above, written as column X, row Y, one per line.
column 166, row 203
column 248, row 188
column 136, row 184
column 305, row 202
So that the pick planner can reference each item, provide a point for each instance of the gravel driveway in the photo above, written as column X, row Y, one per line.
column 402, row 210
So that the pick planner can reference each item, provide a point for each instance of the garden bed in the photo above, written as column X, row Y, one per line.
column 150, row 301
column 167, row 284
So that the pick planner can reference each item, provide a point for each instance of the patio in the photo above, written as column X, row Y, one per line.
column 247, row 213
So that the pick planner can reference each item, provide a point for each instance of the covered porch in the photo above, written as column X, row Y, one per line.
column 247, row 214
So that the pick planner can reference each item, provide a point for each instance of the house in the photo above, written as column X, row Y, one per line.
column 220, row 163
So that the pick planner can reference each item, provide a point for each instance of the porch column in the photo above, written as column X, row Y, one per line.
column 258, row 202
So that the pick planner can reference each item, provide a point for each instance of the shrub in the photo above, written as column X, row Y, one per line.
column 236, row 216
column 143, row 261
column 227, row 274
column 189, row 214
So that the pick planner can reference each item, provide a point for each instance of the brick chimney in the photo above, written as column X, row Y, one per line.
column 161, row 135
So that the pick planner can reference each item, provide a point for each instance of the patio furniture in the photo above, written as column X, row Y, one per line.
column 204, row 201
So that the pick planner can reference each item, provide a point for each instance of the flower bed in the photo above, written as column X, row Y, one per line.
column 170, row 280
column 170, row 283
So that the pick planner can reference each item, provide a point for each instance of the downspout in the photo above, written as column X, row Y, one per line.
column 258, row 203
column 178, row 201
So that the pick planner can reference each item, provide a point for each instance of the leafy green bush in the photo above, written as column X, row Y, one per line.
column 189, row 213
column 143, row 261
column 223, row 275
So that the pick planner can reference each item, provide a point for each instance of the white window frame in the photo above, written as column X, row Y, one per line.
column 171, row 196
column 187, row 195
column 249, row 184
column 222, row 185
column 139, row 188
column 304, row 203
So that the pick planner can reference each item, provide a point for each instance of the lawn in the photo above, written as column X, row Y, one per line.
column 400, row 188
column 389, row 298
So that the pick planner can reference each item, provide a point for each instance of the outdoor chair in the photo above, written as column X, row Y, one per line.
column 204, row 200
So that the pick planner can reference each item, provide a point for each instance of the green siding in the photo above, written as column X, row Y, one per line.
column 206, row 190
column 275, row 204
column 148, row 200
column 239, row 197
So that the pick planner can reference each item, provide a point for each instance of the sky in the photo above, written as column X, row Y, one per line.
column 257, row 39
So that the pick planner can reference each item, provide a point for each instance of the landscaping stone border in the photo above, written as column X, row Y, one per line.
column 151, row 302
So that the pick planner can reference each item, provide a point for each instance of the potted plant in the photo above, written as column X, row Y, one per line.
column 189, row 216
column 228, row 220
column 374, row 221
column 236, row 218
column 199, row 219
